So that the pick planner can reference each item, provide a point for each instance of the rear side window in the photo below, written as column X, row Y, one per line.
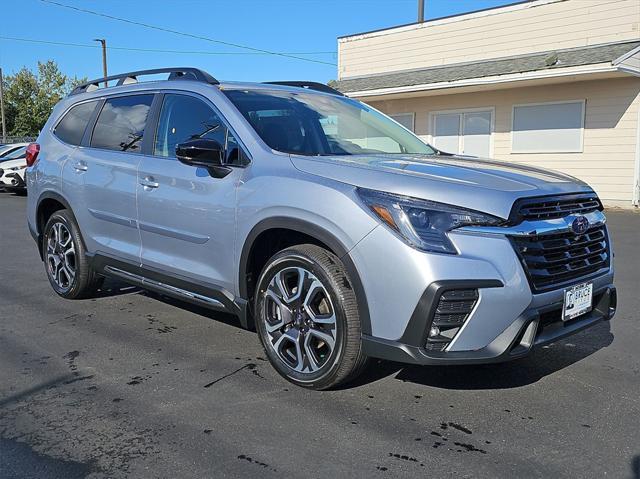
column 71, row 128
column 121, row 123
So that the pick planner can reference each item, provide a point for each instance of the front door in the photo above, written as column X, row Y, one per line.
column 108, row 168
column 186, row 217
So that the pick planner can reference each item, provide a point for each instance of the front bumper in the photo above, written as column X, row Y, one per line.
column 534, row 327
column 507, row 320
column 13, row 181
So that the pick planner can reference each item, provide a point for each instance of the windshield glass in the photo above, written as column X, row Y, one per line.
column 315, row 124
column 14, row 155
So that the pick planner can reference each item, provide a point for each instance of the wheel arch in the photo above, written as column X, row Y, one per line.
column 48, row 203
column 320, row 237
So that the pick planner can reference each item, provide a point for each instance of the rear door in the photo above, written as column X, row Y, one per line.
column 108, row 166
column 186, row 217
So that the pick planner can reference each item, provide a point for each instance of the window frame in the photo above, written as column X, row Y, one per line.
column 461, row 112
column 582, row 101
column 155, row 118
column 393, row 116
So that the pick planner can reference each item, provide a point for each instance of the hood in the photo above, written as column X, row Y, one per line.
column 480, row 184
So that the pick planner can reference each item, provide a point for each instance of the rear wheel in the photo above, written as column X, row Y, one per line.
column 307, row 318
column 66, row 264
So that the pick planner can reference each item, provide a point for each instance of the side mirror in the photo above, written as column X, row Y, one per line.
column 203, row 153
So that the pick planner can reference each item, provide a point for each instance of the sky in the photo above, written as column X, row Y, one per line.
column 306, row 29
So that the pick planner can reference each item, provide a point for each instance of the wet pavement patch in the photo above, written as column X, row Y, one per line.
column 20, row 461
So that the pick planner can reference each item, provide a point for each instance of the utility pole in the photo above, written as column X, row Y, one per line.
column 104, row 58
column 4, row 127
column 421, row 11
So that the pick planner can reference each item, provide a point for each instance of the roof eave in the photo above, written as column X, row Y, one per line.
column 494, row 80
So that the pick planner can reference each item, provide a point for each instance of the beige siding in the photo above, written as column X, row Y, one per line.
column 610, row 135
column 540, row 26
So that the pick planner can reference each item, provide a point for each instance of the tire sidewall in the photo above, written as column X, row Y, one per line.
column 325, row 375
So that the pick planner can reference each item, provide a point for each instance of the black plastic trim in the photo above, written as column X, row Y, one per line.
column 517, row 341
column 516, row 218
column 101, row 261
column 322, row 235
column 416, row 332
column 309, row 85
column 176, row 73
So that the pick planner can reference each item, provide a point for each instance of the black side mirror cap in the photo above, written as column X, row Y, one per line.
column 203, row 153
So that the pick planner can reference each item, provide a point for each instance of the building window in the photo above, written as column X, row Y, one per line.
column 463, row 132
column 548, row 127
column 405, row 119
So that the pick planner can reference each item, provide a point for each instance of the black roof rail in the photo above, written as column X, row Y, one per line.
column 310, row 85
column 175, row 73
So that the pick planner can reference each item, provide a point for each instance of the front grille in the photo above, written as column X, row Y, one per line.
column 553, row 259
column 453, row 309
column 554, row 207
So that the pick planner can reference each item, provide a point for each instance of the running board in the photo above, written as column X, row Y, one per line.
column 165, row 288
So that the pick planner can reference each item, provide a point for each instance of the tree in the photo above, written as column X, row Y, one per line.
column 30, row 97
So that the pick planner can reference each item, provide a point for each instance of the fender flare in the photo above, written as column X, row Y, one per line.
column 322, row 235
column 47, row 195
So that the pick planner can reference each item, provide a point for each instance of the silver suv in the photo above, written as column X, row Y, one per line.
column 335, row 232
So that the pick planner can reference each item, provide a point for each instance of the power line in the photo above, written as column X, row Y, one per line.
column 184, row 34
column 148, row 50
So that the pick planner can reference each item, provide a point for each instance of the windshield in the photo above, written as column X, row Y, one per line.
column 315, row 124
column 14, row 155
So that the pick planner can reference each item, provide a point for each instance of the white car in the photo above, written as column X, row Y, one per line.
column 12, row 170
column 11, row 149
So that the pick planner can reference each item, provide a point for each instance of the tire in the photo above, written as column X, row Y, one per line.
column 65, row 261
column 310, row 327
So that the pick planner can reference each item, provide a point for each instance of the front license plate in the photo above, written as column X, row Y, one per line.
column 577, row 300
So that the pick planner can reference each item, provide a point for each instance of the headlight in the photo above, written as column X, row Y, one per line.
column 423, row 224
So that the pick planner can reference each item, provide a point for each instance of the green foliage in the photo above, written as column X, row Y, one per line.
column 29, row 97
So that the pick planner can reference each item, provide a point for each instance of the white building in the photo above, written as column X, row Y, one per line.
column 553, row 83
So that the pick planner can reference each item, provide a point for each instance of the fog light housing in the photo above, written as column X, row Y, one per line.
column 453, row 309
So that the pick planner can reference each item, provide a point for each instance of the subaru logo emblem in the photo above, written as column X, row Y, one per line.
column 580, row 225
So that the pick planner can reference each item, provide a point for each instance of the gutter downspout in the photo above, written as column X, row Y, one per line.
column 636, row 177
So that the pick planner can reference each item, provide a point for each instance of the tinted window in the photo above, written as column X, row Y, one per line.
column 16, row 154
column 71, row 128
column 121, row 123
column 185, row 118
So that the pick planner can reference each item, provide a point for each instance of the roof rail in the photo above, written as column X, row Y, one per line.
column 310, row 85
column 187, row 73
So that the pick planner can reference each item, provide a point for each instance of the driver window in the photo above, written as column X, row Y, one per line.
column 185, row 118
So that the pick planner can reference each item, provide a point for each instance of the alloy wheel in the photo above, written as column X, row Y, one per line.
column 61, row 256
column 300, row 320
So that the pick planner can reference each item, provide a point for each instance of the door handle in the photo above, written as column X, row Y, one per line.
column 80, row 166
column 149, row 183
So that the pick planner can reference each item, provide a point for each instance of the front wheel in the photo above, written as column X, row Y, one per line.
column 307, row 318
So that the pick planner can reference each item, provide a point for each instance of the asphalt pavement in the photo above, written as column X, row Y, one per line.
column 131, row 384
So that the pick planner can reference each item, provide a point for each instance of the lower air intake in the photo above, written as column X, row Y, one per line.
column 454, row 308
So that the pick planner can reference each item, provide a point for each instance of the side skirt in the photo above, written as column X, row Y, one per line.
column 207, row 295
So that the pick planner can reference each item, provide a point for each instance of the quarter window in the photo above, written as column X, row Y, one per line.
column 121, row 123
column 71, row 128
